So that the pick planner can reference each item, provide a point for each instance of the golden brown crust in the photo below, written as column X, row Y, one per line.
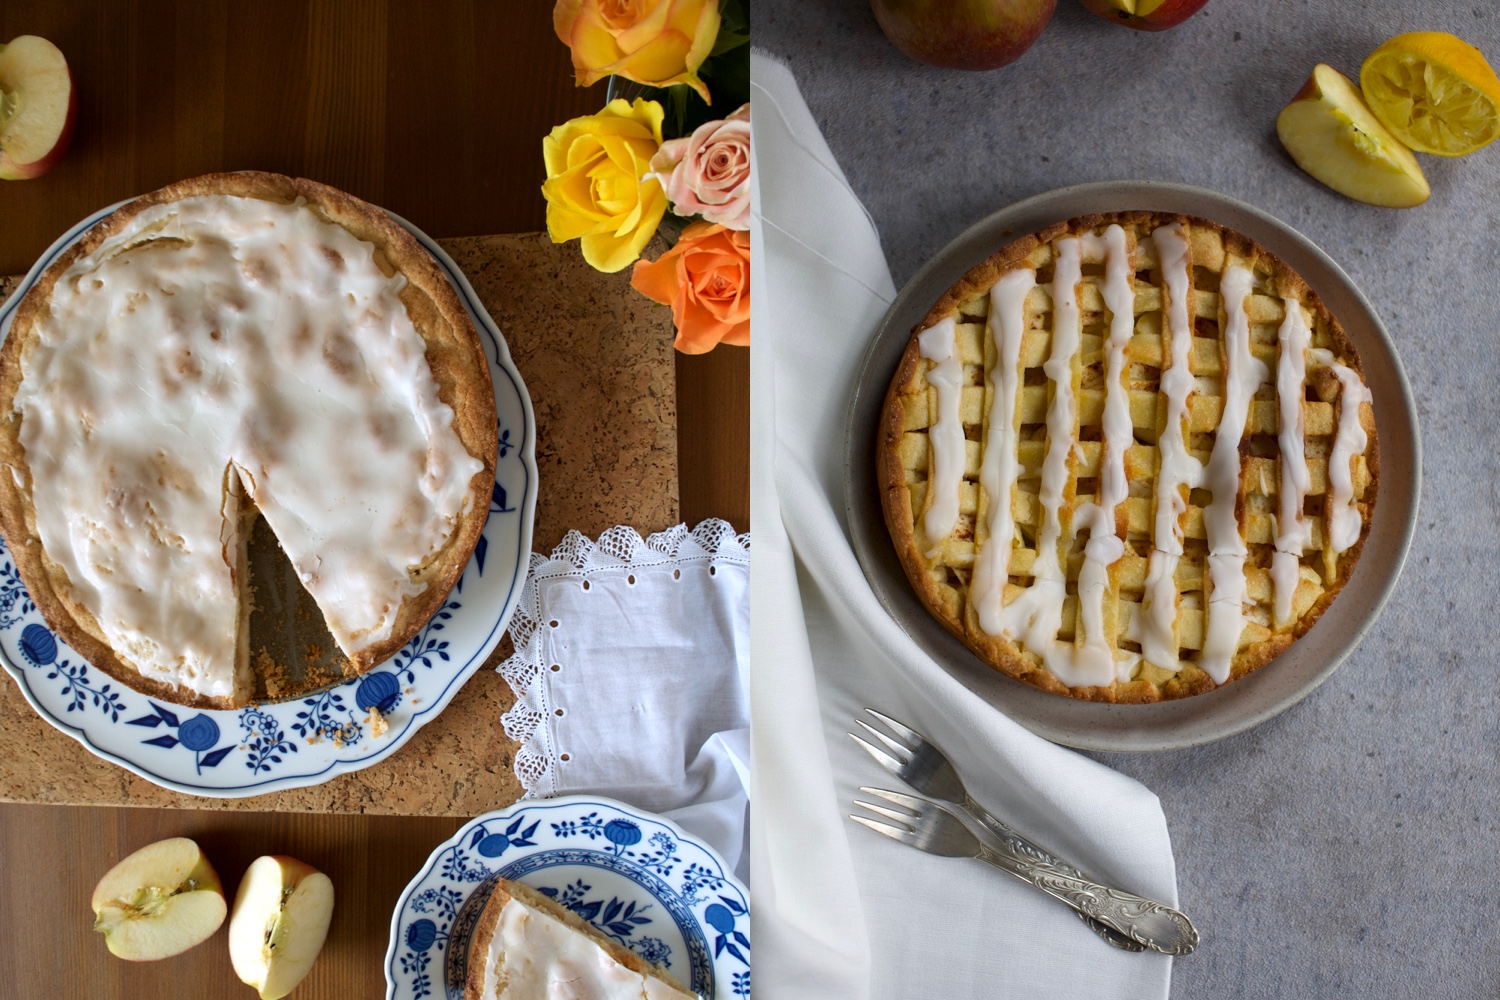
column 484, row 930
column 951, row 608
column 479, row 943
column 454, row 353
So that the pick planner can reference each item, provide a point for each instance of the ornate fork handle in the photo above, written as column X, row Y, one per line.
column 1155, row 925
column 1004, row 833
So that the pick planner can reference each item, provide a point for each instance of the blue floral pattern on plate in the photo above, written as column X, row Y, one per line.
column 310, row 740
column 636, row 877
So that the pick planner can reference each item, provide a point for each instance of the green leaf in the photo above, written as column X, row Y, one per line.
column 734, row 16
column 727, row 41
column 728, row 79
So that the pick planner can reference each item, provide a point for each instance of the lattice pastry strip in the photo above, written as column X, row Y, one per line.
column 1129, row 458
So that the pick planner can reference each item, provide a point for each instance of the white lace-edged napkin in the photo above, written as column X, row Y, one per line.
column 630, row 673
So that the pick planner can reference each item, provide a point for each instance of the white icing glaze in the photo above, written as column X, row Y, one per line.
column 1105, row 547
column 1035, row 616
column 939, row 344
column 1119, row 299
column 998, row 469
column 541, row 957
column 1243, row 374
column 1178, row 469
column 1344, row 522
column 256, row 338
column 1294, row 531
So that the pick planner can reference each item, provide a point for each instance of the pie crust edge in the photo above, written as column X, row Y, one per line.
column 1000, row 652
column 454, row 354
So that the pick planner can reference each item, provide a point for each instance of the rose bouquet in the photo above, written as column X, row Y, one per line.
column 669, row 153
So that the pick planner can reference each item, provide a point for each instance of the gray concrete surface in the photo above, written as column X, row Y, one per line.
column 1347, row 848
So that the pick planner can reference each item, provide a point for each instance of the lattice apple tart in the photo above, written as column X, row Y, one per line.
column 1129, row 458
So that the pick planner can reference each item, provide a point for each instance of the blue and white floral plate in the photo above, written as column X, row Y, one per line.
column 636, row 877
column 307, row 741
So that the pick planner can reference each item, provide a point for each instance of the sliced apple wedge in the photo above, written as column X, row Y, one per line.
column 158, row 902
column 37, row 106
column 281, row 916
column 1333, row 135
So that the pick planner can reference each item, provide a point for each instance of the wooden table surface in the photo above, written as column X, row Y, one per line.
column 435, row 110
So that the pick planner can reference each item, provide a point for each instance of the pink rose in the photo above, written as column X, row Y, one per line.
column 708, row 173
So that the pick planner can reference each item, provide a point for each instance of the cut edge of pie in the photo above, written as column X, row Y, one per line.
column 946, row 595
column 453, row 353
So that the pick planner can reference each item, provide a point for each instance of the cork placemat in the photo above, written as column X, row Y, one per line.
column 598, row 365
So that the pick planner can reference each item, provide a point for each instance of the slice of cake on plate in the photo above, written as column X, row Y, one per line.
column 527, row 947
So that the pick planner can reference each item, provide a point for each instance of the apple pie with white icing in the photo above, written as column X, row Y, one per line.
column 233, row 346
column 528, row 947
column 1129, row 458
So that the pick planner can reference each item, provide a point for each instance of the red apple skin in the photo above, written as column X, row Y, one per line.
column 963, row 34
column 12, row 171
column 1169, row 15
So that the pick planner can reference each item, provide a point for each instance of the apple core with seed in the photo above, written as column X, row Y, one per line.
column 159, row 902
column 281, row 916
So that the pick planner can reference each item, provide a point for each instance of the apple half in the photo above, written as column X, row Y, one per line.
column 159, row 902
column 1145, row 15
column 281, row 916
column 37, row 106
column 1333, row 135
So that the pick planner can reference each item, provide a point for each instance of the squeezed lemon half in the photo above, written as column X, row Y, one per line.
column 1434, row 91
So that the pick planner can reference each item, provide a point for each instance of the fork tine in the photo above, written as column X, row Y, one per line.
column 899, row 817
column 886, row 761
column 909, row 801
column 903, row 835
column 905, row 732
column 900, row 748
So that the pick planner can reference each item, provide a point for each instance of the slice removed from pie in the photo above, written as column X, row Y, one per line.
column 233, row 346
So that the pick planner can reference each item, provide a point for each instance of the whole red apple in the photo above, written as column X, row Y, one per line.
column 963, row 34
column 1145, row 15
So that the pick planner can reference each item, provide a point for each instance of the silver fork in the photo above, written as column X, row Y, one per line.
column 1118, row 917
column 932, row 827
column 922, row 765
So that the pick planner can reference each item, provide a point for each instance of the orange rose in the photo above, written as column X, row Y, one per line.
column 655, row 42
column 705, row 278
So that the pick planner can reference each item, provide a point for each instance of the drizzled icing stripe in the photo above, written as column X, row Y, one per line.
column 1344, row 522
column 1036, row 614
column 1294, row 531
column 1178, row 468
column 1243, row 374
column 939, row 344
column 1104, row 547
column 999, row 469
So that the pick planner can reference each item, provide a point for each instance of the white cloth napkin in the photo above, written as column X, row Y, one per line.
column 839, row 910
column 630, row 676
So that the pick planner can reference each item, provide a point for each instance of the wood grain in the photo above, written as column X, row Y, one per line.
column 434, row 110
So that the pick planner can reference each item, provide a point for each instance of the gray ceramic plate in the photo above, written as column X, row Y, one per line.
column 1235, row 707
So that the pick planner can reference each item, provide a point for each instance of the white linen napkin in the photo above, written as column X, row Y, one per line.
column 839, row 911
column 630, row 676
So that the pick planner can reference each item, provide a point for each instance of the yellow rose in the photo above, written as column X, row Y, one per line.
column 598, row 189
column 655, row 42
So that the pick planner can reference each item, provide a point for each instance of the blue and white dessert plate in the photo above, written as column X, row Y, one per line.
column 305, row 741
column 636, row 877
